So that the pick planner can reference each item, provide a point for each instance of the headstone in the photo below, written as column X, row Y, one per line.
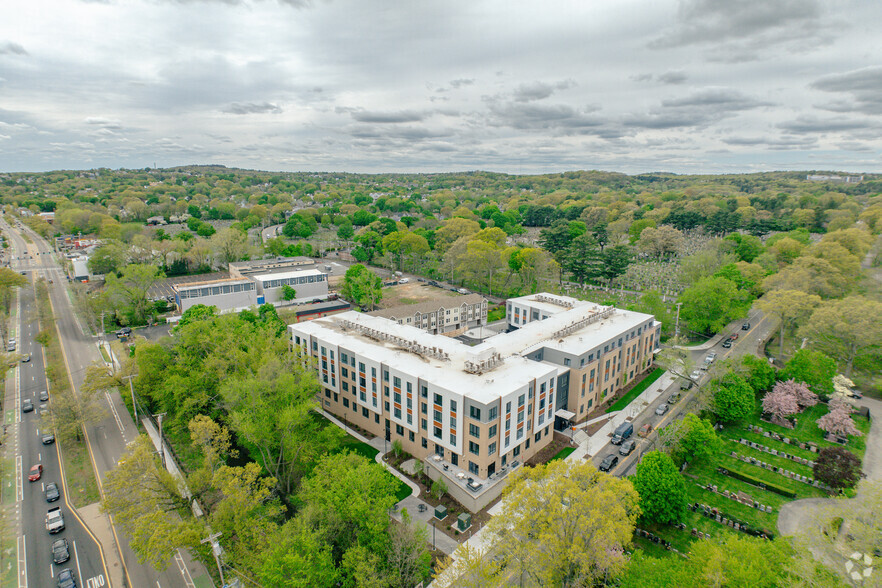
column 766, row 434
column 769, row 509
column 726, row 522
column 737, row 526
column 763, row 508
column 815, row 483
column 756, row 504
column 774, row 452
column 787, row 440
column 726, row 493
column 715, row 487
column 744, row 497
column 743, row 441
column 694, row 532
column 734, row 454
column 802, row 445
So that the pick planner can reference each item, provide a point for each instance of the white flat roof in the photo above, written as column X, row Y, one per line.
column 287, row 274
column 542, row 302
column 191, row 285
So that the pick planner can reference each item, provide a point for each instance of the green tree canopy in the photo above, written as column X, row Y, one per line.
column 733, row 398
column 712, row 303
column 361, row 286
column 812, row 367
column 661, row 488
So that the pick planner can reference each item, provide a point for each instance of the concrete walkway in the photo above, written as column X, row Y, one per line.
column 799, row 513
column 599, row 439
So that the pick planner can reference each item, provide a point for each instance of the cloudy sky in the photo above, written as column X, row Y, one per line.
column 689, row 86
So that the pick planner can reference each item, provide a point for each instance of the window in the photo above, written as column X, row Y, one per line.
column 566, row 361
column 437, row 414
column 437, row 432
column 343, row 357
column 474, row 448
column 373, row 372
column 424, row 424
column 424, row 391
column 492, row 432
column 364, row 412
column 452, row 439
column 385, row 375
column 396, row 381
column 386, row 406
column 473, row 468
column 377, row 418
column 508, row 407
column 397, row 397
column 521, row 400
column 425, row 408
column 424, row 443
column 399, row 430
column 474, row 431
column 453, row 405
column 344, row 372
column 538, row 436
column 475, row 413
column 346, row 403
column 360, row 367
column 517, row 451
column 397, row 413
column 438, row 399
column 491, row 450
column 528, row 444
column 452, row 422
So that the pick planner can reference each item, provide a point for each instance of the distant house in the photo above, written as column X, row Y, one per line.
column 156, row 220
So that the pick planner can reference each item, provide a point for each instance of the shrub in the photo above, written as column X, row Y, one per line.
column 755, row 482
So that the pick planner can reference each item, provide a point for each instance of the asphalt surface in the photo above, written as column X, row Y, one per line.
column 108, row 439
column 747, row 343
column 36, row 567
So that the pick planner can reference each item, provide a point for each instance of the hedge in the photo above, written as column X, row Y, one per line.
column 754, row 482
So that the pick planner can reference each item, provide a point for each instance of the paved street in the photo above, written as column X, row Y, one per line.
column 106, row 440
column 747, row 342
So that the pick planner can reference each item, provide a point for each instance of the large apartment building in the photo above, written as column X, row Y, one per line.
column 452, row 316
column 476, row 412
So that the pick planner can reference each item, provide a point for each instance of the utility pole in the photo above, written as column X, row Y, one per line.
column 161, row 440
column 677, row 327
column 217, row 551
column 134, row 406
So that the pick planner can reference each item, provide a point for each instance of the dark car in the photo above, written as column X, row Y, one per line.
column 44, row 396
column 609, row 462
column 52, row 493
column 60, row 551
column 48, row 439
column 673, row 398
column 27, row 405
column 66, row 579
column 686, row 385
column 727, row 343
column 628, row 446
column 745, row 326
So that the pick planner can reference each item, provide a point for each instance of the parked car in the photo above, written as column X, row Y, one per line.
column 609, row 462
column 727, row 343
column 628, row 446
column 51, row 492
column 686, row 385
column 733, row 336
column 60, row 551
column 403, row 280
column 44, row 395
column 645, row 430
column 27, row 405
column 621, row 433
column 661, row 409
column 674, row 398
column 711, row 356
column 35, row 473
column 66, row 579
column 48, row 439
column 695, row 374
column 745, row 327
column 463, row 291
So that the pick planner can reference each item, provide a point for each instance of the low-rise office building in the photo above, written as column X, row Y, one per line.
column 450, row 316
column 474, row 413
column 308, row 285
column 230, row 294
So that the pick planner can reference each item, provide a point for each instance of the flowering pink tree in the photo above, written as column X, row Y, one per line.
column 839, row 422
column 804, row 396
column 780, row 404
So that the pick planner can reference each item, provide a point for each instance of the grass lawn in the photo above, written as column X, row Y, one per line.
column 82, row 489
column 496, row 314
column 636, row 390
column 355, row 446
column 807, row 430
column 563, row 453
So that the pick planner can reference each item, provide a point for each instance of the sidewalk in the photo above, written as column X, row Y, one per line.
column 598, row 440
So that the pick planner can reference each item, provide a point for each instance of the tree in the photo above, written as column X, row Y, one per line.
column 583, row 259
column 229, row 245
column 348, row 497
column 271, row 412
column 839, row 422
column 439, row 488
column 813, row 368
column 288, row 293
column 72, row 412
column 407, row 557
column 560, row 524
column 615, row 262
column 197, row 312
column 758, row 373
column 107, row 259
column 661, row 488
column 143, row 499
column 481, row 260
column 298, row 556
column 799, row 391
column 690, row 438
column 846, row 329
column 780, row 404
column 661, row 241
column 738, row 561
column 789, row 306
column 837, row 467
column 361, row 286
column 711, row 304
column 733, row 398
column 128, row 293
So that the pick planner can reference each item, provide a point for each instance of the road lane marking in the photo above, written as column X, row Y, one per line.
column 19, row 490
column 77, row 557
column 188, row 580
column 52, row 571
column 23, row 563
column 116, row 417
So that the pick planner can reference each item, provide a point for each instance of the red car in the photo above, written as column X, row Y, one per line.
column 733, row 336
column 36, row 472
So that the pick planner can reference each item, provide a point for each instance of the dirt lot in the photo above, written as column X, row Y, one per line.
column 413, row 293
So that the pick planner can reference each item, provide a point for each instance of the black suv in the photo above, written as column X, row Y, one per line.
column 609, row 462
column 60, row 551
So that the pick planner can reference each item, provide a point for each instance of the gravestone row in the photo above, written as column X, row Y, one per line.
column 741, row 497
column 773, row 435
column 785, row 455
column 780, row 471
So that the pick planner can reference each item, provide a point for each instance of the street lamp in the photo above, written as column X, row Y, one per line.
column 161, row 440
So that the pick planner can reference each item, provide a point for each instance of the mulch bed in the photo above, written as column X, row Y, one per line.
column 557, row 443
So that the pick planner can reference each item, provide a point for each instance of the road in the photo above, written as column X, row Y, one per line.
column 34, row 543
column 748, row 341
column 108, row 439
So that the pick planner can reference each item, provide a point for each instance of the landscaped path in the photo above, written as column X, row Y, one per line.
column 795, row 515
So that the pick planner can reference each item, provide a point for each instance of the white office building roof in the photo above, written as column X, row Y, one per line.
column 287, row 274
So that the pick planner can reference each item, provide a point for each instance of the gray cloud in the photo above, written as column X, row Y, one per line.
column 403, row 116
column 864, row 86
column 673, row 77
column 252, row 108
column 742, row 30
column 539, row 90
column 811, row 124
column 10, row 48
column 775, row 143
column 699, row 108
column 461, row 82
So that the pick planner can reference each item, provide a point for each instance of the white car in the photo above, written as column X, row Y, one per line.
column 403, row 280
column 711, row 357
column 696, row 374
